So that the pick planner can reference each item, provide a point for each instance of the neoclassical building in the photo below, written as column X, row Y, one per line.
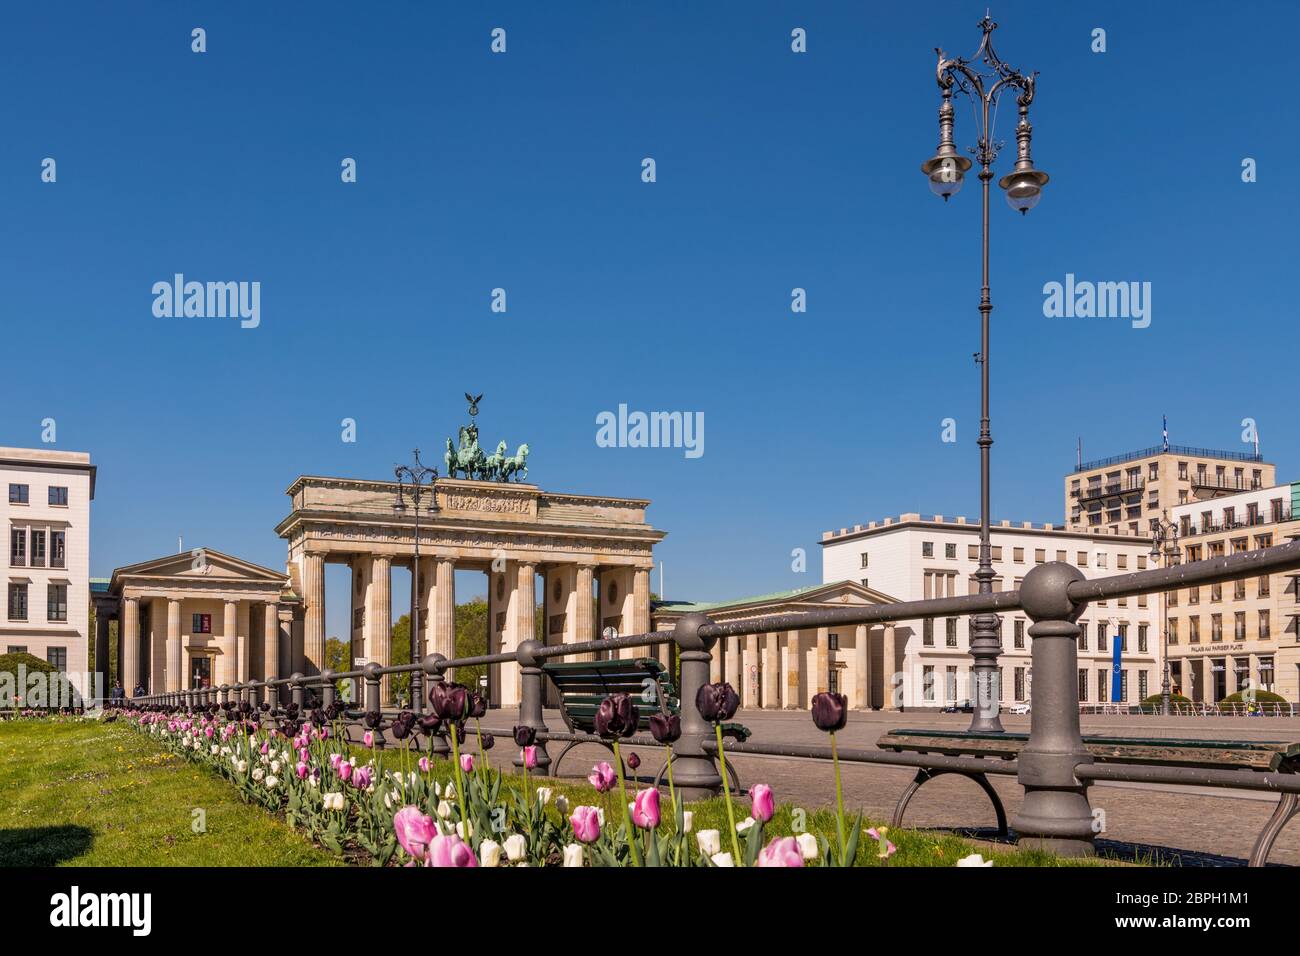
column 785, row 669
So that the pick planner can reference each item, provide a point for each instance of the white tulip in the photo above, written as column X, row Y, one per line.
column 489, row 853
column 709, row 841
column 744, row 824
column 573, row 854
column 271, row 781
column 460, row 830
column 545, row 794
column 516, row 847
column 275, row 766
column 214, row 748
column 444, row 809
column 688, row 820
column 241, row 766
column 722, row 859
column 562, row 804
column 809, row 848
column 974, row 860
column 258, row 774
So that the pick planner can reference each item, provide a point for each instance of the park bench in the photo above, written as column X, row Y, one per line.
column 582, row 685
column 1262, row 756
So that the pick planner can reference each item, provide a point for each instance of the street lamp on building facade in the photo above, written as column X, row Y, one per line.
column 411, row 480
column 983, row 78
column 1164, row 542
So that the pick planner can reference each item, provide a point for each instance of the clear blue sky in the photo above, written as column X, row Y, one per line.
column 522, row 171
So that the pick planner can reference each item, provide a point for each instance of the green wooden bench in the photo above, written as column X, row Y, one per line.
column 582, row 685
column 1261, row 756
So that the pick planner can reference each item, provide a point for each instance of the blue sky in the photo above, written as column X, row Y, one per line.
column 522, row 171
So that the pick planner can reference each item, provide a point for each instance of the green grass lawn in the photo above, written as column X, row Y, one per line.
column 91, row 794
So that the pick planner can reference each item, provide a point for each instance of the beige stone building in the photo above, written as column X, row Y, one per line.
column 784, row 669
column 1125, row 492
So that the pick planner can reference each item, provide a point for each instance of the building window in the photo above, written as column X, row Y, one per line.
column 1020, row 683
column 58, row 496
column 1216, row 593
column 864, row 559
column 58, row 549
column 950, row 551
column 927, row 632
column 56, row 602
column 950, row 632
column 17, row 602
column 200, row 623
column 1239, row 625
column 1265, row 625
column 927, row 549
column 950, row 678
column 1142, row 638
column 833, row 681
column 18, row 494
column 1082, row 559
column 1123, row 685
column 1018, row 555
column 58, row 656
column 1266, row 673
column 1142, row 685
column 1194, row 595
column 1103, row 694
column 1122, row 636
column 1172, row 624
column 1083, row 685
column 1216, row 628
column 1101, row 637
column 1101, row 559
column 863, row 582
column 833, row 641
column 1040, row 555
column 38, row 549
column 16, row 649
column 1264, row 587
column 927, row 682
column 1194, row 630
column 17, row 547
column 1019, row 631
column 1083, row 635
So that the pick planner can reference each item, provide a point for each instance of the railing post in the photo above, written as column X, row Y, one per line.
column 295, row 682
column 326, row 688
column 1055, row 814
column 374, row 697
column 433, row 666
column 530, row 700
column 694, row 771
column 225, row 693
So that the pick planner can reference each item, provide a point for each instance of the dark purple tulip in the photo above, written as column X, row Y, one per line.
column 525, row 736
column 403, row 724
column 665, row 728
column 616, row 717
column 477, row 705
column 449, row 701
column 488, row 741
column 633, row 761
column 830, row 712
column 429, row 724
column 374, row 720
column 717, row 702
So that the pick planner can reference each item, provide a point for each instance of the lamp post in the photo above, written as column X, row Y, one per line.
column 415, row 476
column 983, row 78
column 1164, row 541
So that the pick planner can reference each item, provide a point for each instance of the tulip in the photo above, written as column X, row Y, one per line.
column 665, row 728
column 444, row 809
column 530, row 758
column 709, row 842
column 335, row 760
column 362, row 779
column 345, row 769
column 645, row 809
column 616, row 717
column 489, row 852
column 562, row 804
column 586, row 824
column 368, row 739
column 688, row 820
column 573, row 854
column 633, row 761
column 544, row 795
column 301, row 770
column 402, row 725
column 808, row 846
column 830, row 712
column 722, row 859
column 525, row 736
column 487, row 742
column 478, row 705
column 887, row 849
column 717, row 702
column 467, row 763
column 414, row 831
column 516, row 847
column 429, row 724
column 450, row 702
column 447, row 850
column 602, row 777
column 745, row 824
column 783, row 851
column 333, row 801
column 272, row 781
column 974, row 860
column 424, row 765
column 760, row 802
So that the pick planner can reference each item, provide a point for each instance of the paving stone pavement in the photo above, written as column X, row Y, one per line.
column 1194, row 820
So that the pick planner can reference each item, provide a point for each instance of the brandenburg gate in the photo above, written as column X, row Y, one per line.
column 588, row 551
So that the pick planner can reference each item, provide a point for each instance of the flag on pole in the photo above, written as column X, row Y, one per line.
column 1166, row 431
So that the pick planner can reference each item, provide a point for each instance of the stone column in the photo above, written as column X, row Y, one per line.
column 889, row 668
column 442, row 638
column 379, row 621
column 103, row 671
column 772, row 670
column 822, row 682
column 520, row 627
column 228, row 645
column 270, row 642
column 793, row 699
column 173, row 677
column 862, row 667
column 584, row 626
column 128, row 644
column 290, row 652
column 640, row 623
column 749, row 672
column 733, row 663
column 313, row 585
column 245, row 642
column 426, row 596
column 717, row 662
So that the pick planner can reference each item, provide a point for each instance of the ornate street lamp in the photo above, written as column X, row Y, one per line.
column 411, row 479
column 983, row 78
column 1164, row 541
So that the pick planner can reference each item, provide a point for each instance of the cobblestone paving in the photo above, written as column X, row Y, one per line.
column 1198, row 821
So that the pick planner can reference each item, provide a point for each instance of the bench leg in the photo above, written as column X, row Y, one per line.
column 555, row 764
column 924, row 775
column 1287, row 807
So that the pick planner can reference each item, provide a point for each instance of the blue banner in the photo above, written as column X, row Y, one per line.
column 1116, row 688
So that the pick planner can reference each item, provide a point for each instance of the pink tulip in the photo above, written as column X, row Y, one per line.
column 344, row 769
column 586, row 824
column 207, row 732
column 368, row 739
column 303, row 754
column 414, row 831
column 645, row 808
column 449, row 850
column 324, row 733
column 361, row 779
column 467, row 763
column 760, row 802
column 424, row 765
column 335, row 760
column 530, row 757
column 782, row 851
column 602, row 777
column 887, row 849
column 266, row 748
column 302, row 770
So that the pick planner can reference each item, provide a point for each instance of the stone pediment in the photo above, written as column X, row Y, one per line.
column 198, row 565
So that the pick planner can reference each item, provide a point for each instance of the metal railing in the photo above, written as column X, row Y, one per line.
column 1054, row 767
column 1170, row 450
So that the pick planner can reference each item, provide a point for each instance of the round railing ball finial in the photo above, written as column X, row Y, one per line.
column 370, row 671
column 1044, row 594
column 434, row 664
column 526, row 653
column 686, row 633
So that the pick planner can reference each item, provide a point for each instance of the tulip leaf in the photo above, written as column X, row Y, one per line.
column 851, row 847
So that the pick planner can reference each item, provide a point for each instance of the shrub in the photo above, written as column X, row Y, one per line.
column 1154, row 699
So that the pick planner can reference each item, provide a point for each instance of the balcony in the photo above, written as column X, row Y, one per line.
column 1109, row 490
column 1241, row 521
column 1202, row 481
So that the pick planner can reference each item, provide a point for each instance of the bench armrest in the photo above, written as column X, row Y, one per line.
column 737, row 732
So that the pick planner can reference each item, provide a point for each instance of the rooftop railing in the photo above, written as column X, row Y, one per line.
column 1154, row 450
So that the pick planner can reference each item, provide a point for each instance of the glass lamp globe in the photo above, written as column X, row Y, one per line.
column 1024, row 188
column 945, row 174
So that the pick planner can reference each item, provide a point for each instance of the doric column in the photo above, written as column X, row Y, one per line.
column 584, row 626
column 717, row 661
column 772, row 670
column 173, row 679
column 313, row 585
column 245, row 642
column 749, row 675
column 427, row 600
column 290, row 651
column 640, row 623
column 822, row 681
column 889, row 668
column 128, row 644
column 793, row 699
column 443, row 638
column 862, row 667
column 228, row 644
column 519, row 628
column 379, row 620
column 733, row 662
column 270, row 641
